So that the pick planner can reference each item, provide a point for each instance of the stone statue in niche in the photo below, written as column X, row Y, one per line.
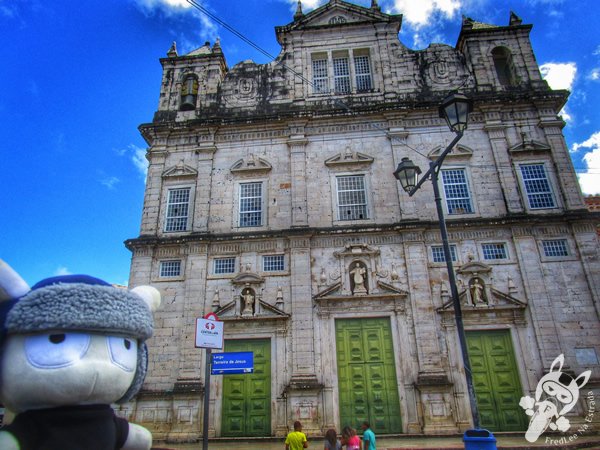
column 477, row 289
column 248, row 299
column 358, row 279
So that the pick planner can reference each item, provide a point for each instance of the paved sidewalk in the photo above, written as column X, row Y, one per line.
column 504, row 442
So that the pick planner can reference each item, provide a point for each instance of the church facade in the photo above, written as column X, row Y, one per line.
column 271, row 202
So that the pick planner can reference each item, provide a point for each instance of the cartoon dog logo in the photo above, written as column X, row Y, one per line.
column 556, row 394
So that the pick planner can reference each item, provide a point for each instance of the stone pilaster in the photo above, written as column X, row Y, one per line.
column 203, row 186
column 567, row 179
column 496, row 132
column 297, row 146
column 151, row 210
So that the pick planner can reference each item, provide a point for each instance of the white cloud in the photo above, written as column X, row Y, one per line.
column 138, row 157
column 419, row 13
column 559, row 75
column 165, row 5
column 594, row 74
column 110, row 182
column 62, row 270
column 589, row 180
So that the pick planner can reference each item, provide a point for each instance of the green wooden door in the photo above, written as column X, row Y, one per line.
column 247, row 398
column 496, row 380
column 367, row 375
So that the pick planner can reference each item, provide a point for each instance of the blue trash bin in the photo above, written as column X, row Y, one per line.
column 479, row 439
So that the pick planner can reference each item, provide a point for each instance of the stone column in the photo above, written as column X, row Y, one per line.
column 303, row 390
column 587, row 246
column 495, row 129
column 567, row 180
column 205, row 154
column 398, row 136
column 157, row 157
column 538, row 298
column 297, row 146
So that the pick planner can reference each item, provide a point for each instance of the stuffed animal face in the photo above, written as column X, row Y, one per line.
column 50, row 369
column 71, row 340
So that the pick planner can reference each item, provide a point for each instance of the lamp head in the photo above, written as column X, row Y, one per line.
column 455, row 110
column 407, row 173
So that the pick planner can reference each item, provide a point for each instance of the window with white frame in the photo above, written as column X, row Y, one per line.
column 537, row 186
column 362, row 71
column 273, row 263
column 494, row 251
column 352, row 197
column 437, row 253
column 341, row 71
column 170, row 269
column 251, row 204
column 341, row 74
column 555, row 247
column 320, row 74
column 456, row 190
column 224, row 265
column 178, row 205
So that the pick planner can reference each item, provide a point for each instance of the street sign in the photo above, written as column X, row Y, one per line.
column 209, row 333
column 232, row 363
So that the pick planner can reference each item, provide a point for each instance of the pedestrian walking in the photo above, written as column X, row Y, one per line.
column 368, row 436
column 296, row 440
column 331, row 441
column 350, row 439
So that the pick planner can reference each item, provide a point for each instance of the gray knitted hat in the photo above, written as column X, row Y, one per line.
column 83, row 303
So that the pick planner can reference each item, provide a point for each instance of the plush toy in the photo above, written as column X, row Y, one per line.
column 69, row 347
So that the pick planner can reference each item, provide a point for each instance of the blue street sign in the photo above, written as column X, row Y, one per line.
column 232, row 363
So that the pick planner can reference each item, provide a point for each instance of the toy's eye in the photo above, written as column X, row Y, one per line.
column 123, row 352
column 54, row 350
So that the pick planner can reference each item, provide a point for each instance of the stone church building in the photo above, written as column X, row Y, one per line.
column 271, row 201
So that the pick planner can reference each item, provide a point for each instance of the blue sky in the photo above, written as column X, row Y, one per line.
column 79, row 77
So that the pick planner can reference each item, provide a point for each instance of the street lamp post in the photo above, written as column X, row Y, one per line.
column 455, row 109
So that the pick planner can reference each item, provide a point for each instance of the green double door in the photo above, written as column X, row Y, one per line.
column 247, row 397
column 496, row 380
column 367, row 375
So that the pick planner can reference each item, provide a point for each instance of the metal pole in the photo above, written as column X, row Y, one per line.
column 454, row 290
column 206, row 399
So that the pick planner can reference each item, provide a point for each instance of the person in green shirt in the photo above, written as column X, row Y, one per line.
column 296, row 440
column 368, row 437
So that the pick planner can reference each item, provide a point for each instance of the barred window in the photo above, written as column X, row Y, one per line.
column 458, row 198
column 341, row 75
column 251, row 204
column 224, row 265
column 352, row 197
column 273, row 263
column 362, row 69
column 177, row 209
column 437, row 253
column 170, row 269
column 537, row 186
column 555, row 247
column 320, row 76
column 494, row 251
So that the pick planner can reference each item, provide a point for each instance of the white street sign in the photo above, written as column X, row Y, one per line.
column 209, row 333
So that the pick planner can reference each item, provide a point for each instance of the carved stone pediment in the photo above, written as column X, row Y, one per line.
column 336, row 12
column 384, row 290
column 181, row 170
column 349, row 159
column 530, row 146
column 458, row 152
column 357, row 250
column 247, row 278
column 500, row 308
column 251, row 165
column 474, row 268
column 263, row 311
